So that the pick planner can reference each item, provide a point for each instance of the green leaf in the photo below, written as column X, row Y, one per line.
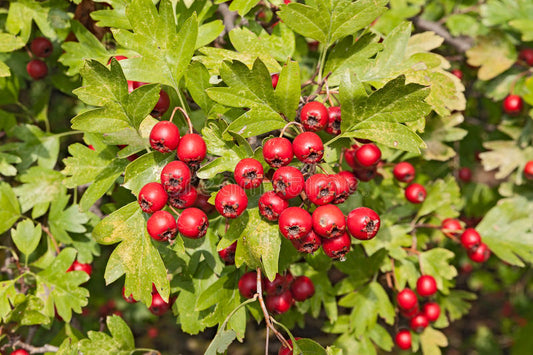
column 494, row 54
column 103, row 182
column 288, row 89
column 435, row 262
column 40, row 185
column 7, row 297
column 443, row 198
column 349, row 17
column 456, row 303
column 26, row 236
column 440, row 130
column 311, row 347
column 242, row 6
column 279, row 45
column 503, row 155
column 197, row 81
column 62, row 221
column 28, row 311
column 431, row 340
column 120, row 342
column 140, row 103
column 145, row 169
column 208, row 32
column 221, row 342
column 10, row 43
column 213, row 58
column 85, row 164
column 20, row 16
column 9, row 207
column 306, row 20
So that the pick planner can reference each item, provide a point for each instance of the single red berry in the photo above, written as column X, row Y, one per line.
column 37, row 69
column 404, row 172
column 164, row 137
column 528, row 170
column 337, row 247
column 295, row 223
column 276, row 286
column 192, row 149
column 279, row 303
column 351, row 179
column 451, row 227
column 271, row 205
column 158, row 306
column 161, row 226
column 162, row 104
column 329, row 221
column 363, row 223
column 175, row 177
column 183, row 199
column 308, row 147
column 368, row 155
column 228, row 254
column 349, row 156
column 307, row 244
column 278, row 152
column 426, row 286
column 117, row 57
column 419, row 323
column 248, row 173
column 302, row 288
column 334, row 120
column 41, row 47
column 314, row 116
column 286, row 2
column 415, row 193
column 285, row 350
column 479, row 254
column 152, row 332
column 202, row 202
column 526, row 55
column 152, row 197
column 193, row 223
column 403, row 339
column 288, row 182
column 129, row 298
column 77, row 266
column 231, row 201
column 465, row 174
column 406, row 299
column 365, row 174
column 342, row 188
column 248, row 284
column 513, row 104
column 432, row 311
column 458, row 73
column 470, row 238
column 320, row 189
column 19, row 352
column 275, row 79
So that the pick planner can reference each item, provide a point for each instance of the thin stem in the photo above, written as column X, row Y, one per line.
column 173, row 113
column 394, row 274
column 47, row 231
column 35, row 350
column 299, row 125
column 187, row 118
column 174, row 210
column 69, row 133
column 267, row 340
column 321, row 63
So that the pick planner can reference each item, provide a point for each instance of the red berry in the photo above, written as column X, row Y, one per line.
column 415, row 193
column 279, row 303
column 342, row 188
column 295, row 223
column 528, row 170
column 410, row 313
column 203, row 204
column 271, row 205
column 308, row 147
column 164, row 137
column 152, row 332
column 77, row 266
column 314, row 116
column 363, row 223
column 458, row 73
column 19, row 352
column 329, row 221
column 248, row 284
column 470, row 238
column 288, row 182
column 175, row 176
column 419, row 323
column 162, row 104
column 278, row 152
column 337, row 247
column 41, row 47
column 161, row 226
column 465, row 174
column 349, row 156
column 231, row 201
column 526, row 55
column 403, row 339
column 368, row 155
column 285, row 350
column 351, row 179
column 302, row 288
column 276, row 286
column 406, row 299
column 152, row 197
column 451, row 227
column 404, row 172
column 513, row 104
column 426, row 286
column 320, row 189
column 192, row 149
column 479, row 254
column 432, row 311
column 275, row 79
column 228, row 254
column 307, row 244
column 37, row 69
column 158, row 306
column 365, row 174
column 334, row 120
column 183, row 199
column 117, row 57
column 193, row 223
column 248, row 173
column 128, row 299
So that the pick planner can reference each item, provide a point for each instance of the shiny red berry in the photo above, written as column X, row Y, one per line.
column 295, row 223
column 276, row 286
column 337, row 247
column 19, row 352
column 513, row 104
column 41, row 47
column 308, row 147
column 329, row 221
column 248, row 173
column 432, row 311
column 129, row 298
column 279, row 303
column 183, row 199
column 320, row 189
column 451, row 227
column 77, row 266
column 228, row 254
column 162, row 226
column 334, row 120
column 164, row 137
column 314, row 116
column 271, row 205
column 426, row 286
column 418, row 323
column 37, row 69
column 404, row 172
column 349, row 156
column 342, row 188
column 368, row 155
column 528, row 170
column 158, row 306
column 351, row 179
column 415, row 193
column 470, row 238
column 307, row 244
column 406, row 299
column 526, row 55
column 403, row 339
column 479, row 254
column 175, row 177
column 275, row 79
column 191, row 149
column 458, row 73
column 193, row 223
column 152, row 197
column 465, row 174
column 248, row 284
column 278, row 152
column 288, row 182
column 302, row 288
column 231, row 201
column 363, row 223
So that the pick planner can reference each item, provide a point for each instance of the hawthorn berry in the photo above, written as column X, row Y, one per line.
column 193, row 223
column 470, row 238
column 403, row 339
column 279, row 303
column 363, row 223
column 288, row 182
column 513, row 104
column 337, row 247
column 334, row 120
column 308, row 147
column 276, row 286
column 202, row 202
column 406, row 299
column 307, row 244
column 41, row 47
column 161, row 105
column 479, row 254
column 410, row 313
column 161, row 226
column 271, row 205
column 191, row 149
column 415, row 193
column 314, row 116
column 320, row 189
column 278, row 152
column 342, row 188
column 404, row 172
column 158, row 306
column 295, row 223
column 248, row 173
column 231, row 201
column 129, row 298
column 37, row 69
column 528, row 170
column 426, row 286
column 458, row 73
column 175, row 176
column 351, row 179
column 285, row 350
column 183, row 199
column 152, row 197
column 465, row 174
column 368, row 155
column 19, row 352
column 432, row 311
column 275, row 79
column 451, row 227
column 302, row 288
column 419, row 322
column 228, row 254
column 526, row 55
column 349, row 156
column 77, row 266
column 164, row 137
column 248, row 284
column 365, row 174
column 329, row 221
column 152, row 332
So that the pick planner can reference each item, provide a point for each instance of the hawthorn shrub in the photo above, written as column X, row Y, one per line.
column 355, row 172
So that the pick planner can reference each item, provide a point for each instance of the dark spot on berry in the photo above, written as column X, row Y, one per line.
column 293, row 230
column 336, row 125
column 202, row 228
column 280, row 186
column 168, row 234
column 160, row 146
column 175, row 181
column 340, row 254
column 324, row 192
column 251, row 175
column 145, row 205
column 335, row 231
column 230, row 210
column 176, row 202
column 313, row 156
column 312, row 120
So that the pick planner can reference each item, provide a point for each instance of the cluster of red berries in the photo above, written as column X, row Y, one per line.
column 281, row 293
column 40, row 47
column 158, row 306
column 363, row 160
column 405, row 172
column 407, row 300
column 470, row 239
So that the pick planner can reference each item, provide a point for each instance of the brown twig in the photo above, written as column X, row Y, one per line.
column 393, row 274
column 47, row 231
column 319, row 89
column 35, row 350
